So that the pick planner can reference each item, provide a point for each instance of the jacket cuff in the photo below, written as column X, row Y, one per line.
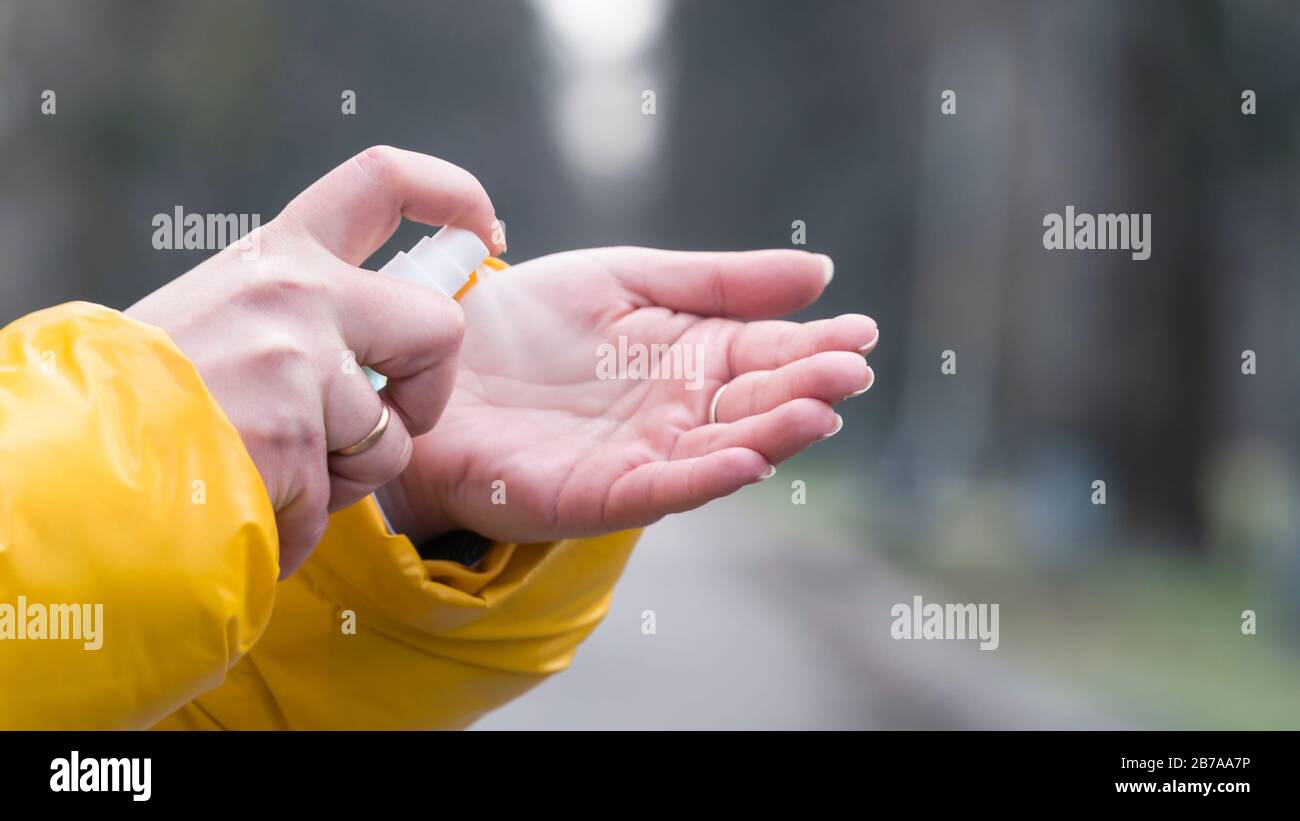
column 523, row 607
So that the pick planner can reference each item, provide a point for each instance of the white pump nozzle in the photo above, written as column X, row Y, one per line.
column 444, row 262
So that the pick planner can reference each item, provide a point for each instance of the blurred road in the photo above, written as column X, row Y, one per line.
column 756, row 631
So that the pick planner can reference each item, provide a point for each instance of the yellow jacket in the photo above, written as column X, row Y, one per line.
column 124, row 486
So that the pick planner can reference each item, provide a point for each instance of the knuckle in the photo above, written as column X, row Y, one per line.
column 312, row 439
column 269, row 286
column 289, row 431
column 380, row 162
column 278, row 285
column 280, row 352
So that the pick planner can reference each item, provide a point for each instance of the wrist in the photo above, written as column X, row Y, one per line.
column 418, row 521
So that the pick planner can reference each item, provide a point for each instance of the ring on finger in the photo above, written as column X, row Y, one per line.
column 713, row 404
column 371, row 438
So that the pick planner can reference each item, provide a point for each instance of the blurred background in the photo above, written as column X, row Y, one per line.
column 968, row 487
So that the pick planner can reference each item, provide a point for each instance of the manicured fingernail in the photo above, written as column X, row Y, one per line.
column 870, row 346
column 828, row 269
column 839, row 425
column 767, row 474
column 498, row 234
column 871, row 380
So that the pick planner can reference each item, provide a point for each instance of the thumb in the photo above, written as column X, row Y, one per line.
column 355, row 208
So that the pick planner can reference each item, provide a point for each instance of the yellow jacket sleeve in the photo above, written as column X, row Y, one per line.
column 368, row 635
column 138, row 552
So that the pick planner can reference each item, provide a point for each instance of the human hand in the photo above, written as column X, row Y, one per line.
column 579, row 454
column 280, row 340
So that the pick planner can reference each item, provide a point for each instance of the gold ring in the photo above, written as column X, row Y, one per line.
column 371, row 438
column 713, row 406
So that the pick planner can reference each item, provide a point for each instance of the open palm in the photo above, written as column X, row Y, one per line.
column 539, row 441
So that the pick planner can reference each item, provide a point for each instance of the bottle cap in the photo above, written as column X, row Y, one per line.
column 464, row 248
column 444, row 261
column 448, row 258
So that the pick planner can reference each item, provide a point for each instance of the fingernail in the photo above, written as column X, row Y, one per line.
column 767, row 474
column 871, row 380
column 499, row 230
column 828, row 269
column 839, row 425
column 870, row 346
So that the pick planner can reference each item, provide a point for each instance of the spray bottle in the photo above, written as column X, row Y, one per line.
column 450, row 261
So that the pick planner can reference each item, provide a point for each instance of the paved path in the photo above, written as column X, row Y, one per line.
column 756, row 631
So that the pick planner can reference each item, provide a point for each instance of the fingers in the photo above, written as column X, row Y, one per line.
column 301, row 523
column 832, row 376
column 713, row 461
column 410, row 334
column 777, row 434
column 741, row 285
column 770, row 344
column 656, row 489
column 352, row 411
column 355, row 208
